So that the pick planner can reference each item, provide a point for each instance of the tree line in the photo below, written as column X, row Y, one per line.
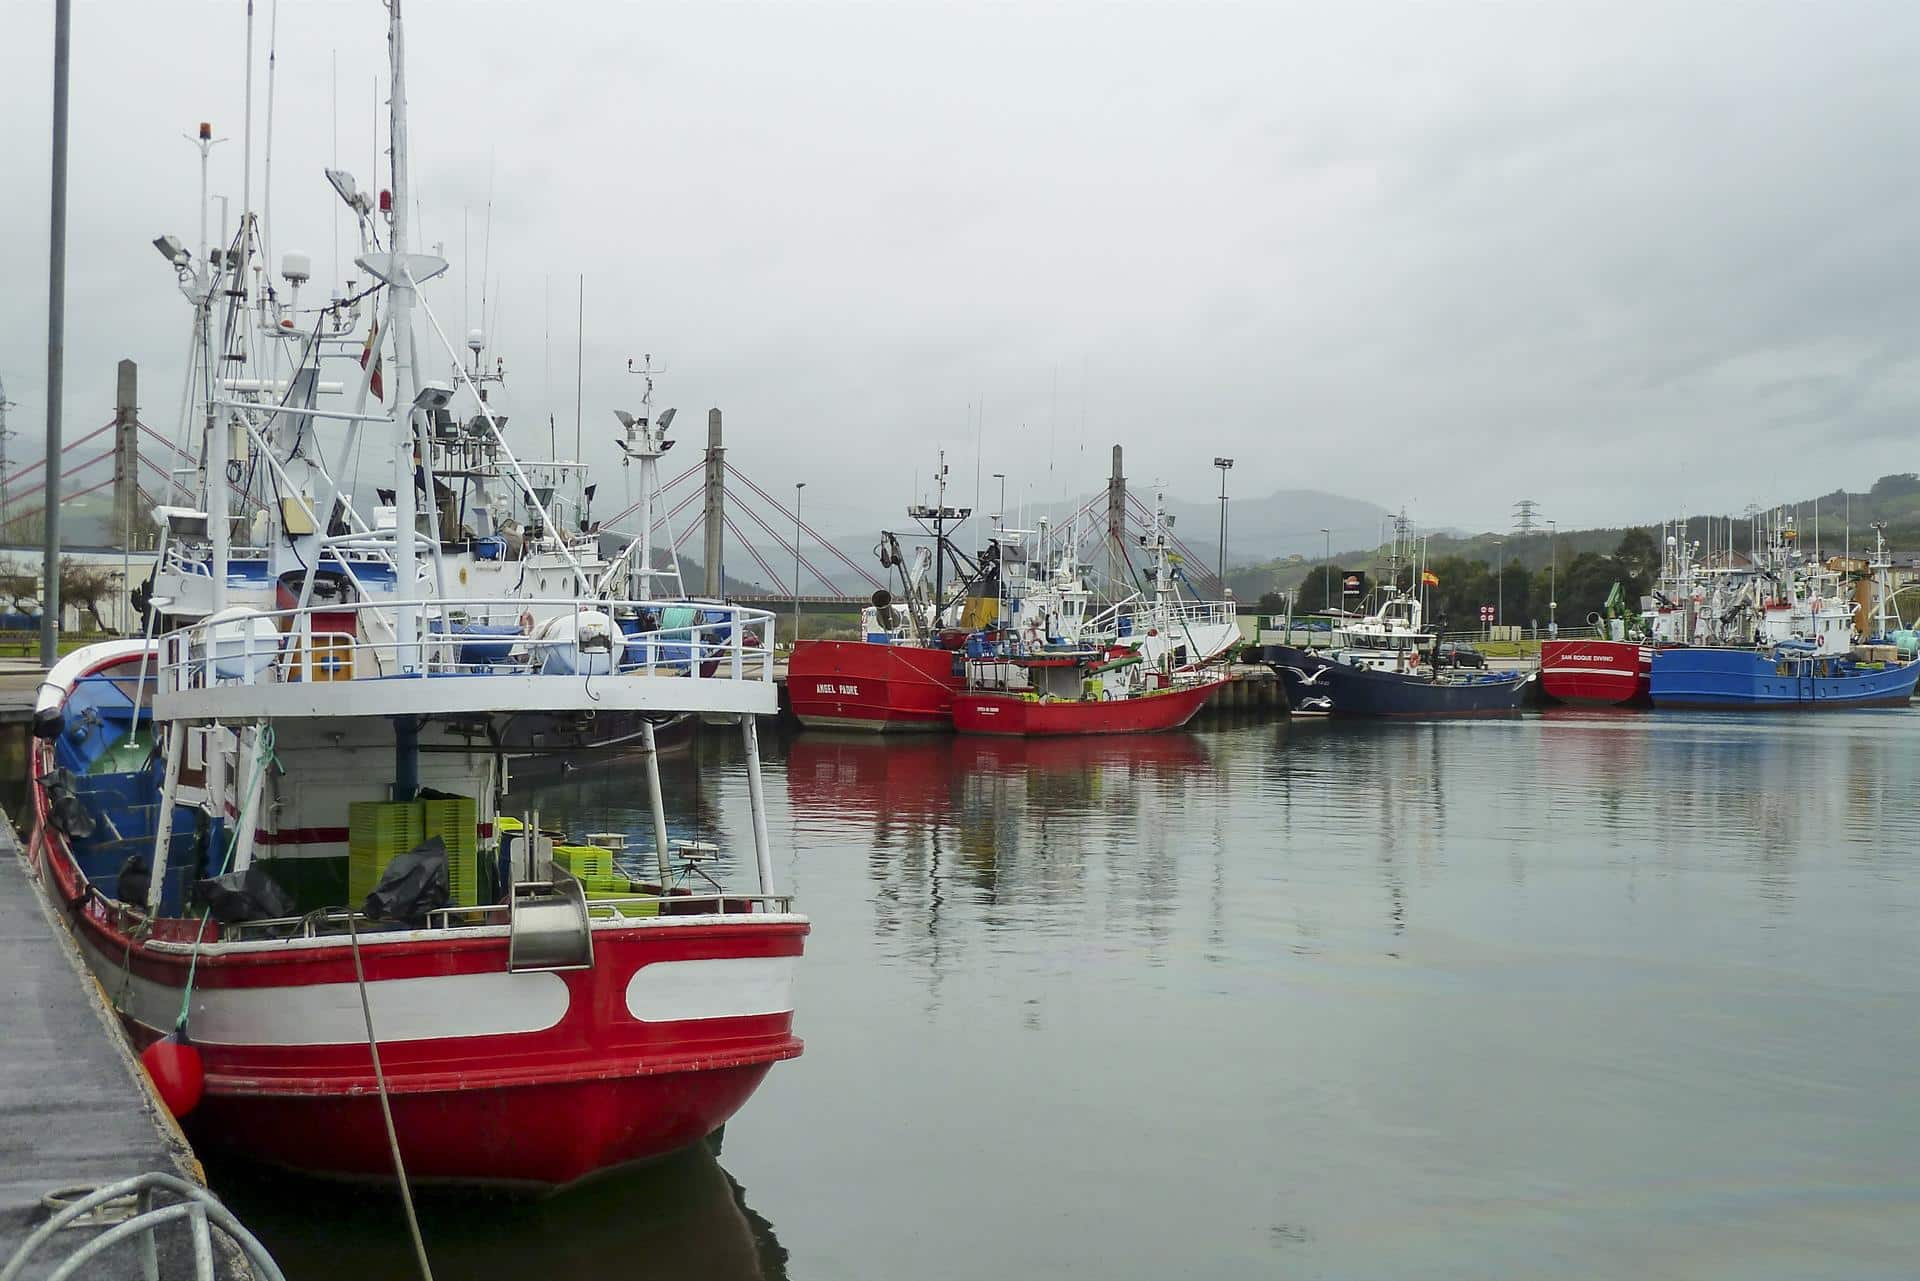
column 1521, row 596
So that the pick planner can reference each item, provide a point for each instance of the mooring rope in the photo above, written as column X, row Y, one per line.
column 386, row 1109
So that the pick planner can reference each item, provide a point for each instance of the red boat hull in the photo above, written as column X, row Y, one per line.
column 868, row 686
column 1009, row 714
column 537, row 1137
column 1594, row 671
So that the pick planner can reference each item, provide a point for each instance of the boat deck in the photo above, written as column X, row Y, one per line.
column 72, row 1109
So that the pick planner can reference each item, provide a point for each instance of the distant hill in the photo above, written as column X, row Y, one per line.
column 1838, row 520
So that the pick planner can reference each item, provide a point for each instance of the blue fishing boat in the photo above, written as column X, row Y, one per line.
column 1790, row 675
column 1804, row 653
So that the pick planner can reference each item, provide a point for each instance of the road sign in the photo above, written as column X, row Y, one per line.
column 1486, row 613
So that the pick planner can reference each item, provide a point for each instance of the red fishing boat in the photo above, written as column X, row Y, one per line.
column 1596, row 671
column 887, row 685
column 1032, row 717
column 901, row 675
column 1047, row 693
column 277, row 836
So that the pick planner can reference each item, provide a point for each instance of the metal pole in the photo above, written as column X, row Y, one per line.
column 1223, row 464
column 798, row 485
column 56, row 338
column 1326, row 571
column 757, row 803
column 658, row 804
column 1499, row 580
column 1553, row 576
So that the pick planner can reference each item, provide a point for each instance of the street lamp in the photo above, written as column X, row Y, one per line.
column 1326, row 570
column 1225, row 465
column 1000, row 516
column 798, row 485
column 1553, row 579
column 1499, row 580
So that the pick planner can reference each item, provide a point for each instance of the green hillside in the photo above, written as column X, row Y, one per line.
column 1521, row 573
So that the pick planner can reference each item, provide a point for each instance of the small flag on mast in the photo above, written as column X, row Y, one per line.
column 377, row 383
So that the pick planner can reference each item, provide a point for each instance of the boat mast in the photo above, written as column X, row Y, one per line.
column 401, row 304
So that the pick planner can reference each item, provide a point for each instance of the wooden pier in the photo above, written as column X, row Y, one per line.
column 76, row 1109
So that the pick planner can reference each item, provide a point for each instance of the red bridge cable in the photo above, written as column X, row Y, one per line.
column 742, row 540
column 69, row 446
column 805, row 528
column 773, row 534
column 633, row 507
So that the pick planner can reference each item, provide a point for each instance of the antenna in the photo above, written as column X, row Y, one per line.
column 6, row 434
column 579, row 344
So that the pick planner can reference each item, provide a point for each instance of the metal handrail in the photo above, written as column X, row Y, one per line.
column 450, row 918
column 199, row 1207
column 271, row 646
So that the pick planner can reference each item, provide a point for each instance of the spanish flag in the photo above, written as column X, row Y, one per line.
column 371, row 352
column 1429, row 578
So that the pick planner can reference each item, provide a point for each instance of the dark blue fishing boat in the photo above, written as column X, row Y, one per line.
column 1319, row 684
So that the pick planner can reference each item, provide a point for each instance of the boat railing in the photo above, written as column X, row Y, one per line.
column 489, row 636
column 330, row 921
column 1192, row 613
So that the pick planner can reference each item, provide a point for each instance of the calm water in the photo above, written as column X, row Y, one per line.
column 1580, row 995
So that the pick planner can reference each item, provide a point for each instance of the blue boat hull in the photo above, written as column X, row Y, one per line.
column 1317, row 684
column 1745, row 679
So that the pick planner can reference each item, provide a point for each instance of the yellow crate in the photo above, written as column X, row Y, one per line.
column 587, row 862
column 619, row 888
column 455, row 820
column 377, row 833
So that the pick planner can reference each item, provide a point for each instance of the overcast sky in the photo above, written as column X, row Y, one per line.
column 1620, row 258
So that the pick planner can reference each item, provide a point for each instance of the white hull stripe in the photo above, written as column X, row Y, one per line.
column 716, row 988
column 423, row 1009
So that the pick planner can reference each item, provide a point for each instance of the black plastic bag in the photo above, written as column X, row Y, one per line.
column 65, row 810
column 251, row 895
column 135, row 881
column 414, row 884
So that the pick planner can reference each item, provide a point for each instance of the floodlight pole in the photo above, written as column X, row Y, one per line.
column 1553, row 577
column 56, row 338
column 1499, row 580
column 1326, row 571
column 1225, row 465
column 798, row 485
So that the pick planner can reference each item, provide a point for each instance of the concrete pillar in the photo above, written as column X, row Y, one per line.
column 715, row 551
column 126, row 457
column 1117, row 527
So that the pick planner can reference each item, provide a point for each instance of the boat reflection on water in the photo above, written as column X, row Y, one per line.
column 1005, row 838
column 684, row 1216
column 891, row 779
